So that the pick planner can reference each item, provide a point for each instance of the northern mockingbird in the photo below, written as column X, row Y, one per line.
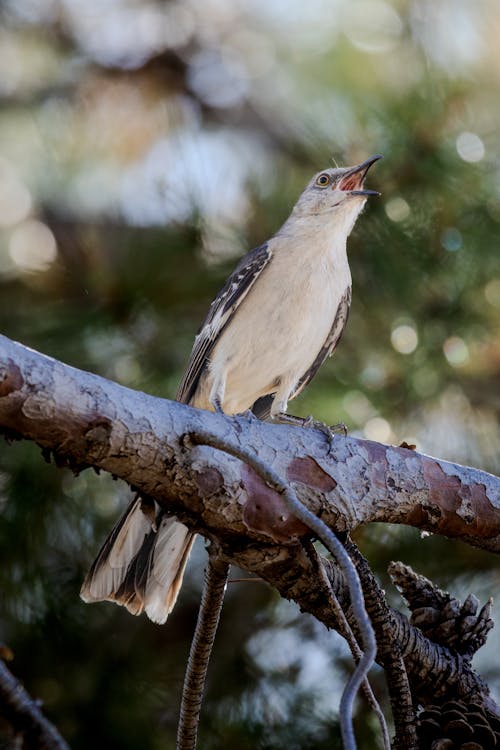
column 279, row 315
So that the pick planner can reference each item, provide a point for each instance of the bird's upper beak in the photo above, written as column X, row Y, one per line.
column 352, row 180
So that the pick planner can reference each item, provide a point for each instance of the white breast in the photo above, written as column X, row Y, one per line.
column 279, row 328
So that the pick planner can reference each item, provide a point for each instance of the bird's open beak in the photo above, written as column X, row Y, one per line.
column 352, row 180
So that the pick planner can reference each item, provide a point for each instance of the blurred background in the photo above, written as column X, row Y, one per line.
column 144, row 146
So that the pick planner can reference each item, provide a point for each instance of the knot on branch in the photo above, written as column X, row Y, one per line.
column 11, row 378
column 440, row 616
column 457, row 726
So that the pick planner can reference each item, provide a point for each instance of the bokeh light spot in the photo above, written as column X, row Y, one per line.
column 451, row 239
column 456, row 351
column 404, row 339
column 357, row 406
column 372, row 26
column 373, row 375
column 377, row 429
column 32, row 246
column 397, row 209
column 470, row 147
column 492, row 292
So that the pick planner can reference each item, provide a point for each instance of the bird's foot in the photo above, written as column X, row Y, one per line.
column 329, row 429
column 310, row 422
column 248, row 414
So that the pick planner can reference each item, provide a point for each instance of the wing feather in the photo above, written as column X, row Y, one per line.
column 227, row 301
column 331, row 342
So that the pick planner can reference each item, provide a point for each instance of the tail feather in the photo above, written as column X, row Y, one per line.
column 141, row 563
column 168, row 566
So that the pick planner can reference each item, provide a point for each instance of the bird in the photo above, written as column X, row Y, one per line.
column 279, row 315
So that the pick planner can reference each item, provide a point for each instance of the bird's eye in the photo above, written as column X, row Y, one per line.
column 323, row 180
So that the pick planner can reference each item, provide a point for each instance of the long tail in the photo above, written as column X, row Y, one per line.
column 141, row 563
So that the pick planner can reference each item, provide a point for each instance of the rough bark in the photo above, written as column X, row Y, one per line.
column 86, row 420
column 199, row 656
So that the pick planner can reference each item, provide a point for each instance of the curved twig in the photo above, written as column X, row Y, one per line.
column 389, row 653
column 24, row 714
column 346, row 632
column 335, row 547
column 199, row 655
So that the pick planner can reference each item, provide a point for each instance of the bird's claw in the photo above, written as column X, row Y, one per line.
column 316, row 424
column 248, row 414
column 328, row 430
column 340, row 427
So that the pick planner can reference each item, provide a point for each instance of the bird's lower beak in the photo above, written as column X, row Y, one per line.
column 353, row 179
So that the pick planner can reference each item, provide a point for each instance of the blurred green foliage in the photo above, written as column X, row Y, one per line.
column 143, row 147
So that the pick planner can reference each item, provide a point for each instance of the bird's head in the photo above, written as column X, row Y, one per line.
column 337, row 194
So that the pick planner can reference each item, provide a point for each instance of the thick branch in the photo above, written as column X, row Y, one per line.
column 86, row 420
column 90, row 421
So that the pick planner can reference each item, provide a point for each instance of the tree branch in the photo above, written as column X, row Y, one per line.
column 432, row 668
column 25, row 716
column 86, row 420
column 199, row 654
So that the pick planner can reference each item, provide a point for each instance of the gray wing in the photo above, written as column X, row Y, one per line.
column 227, row 301
column 331, row 342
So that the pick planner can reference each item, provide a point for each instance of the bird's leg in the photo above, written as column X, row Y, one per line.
column 216, row 403
column 217, row 393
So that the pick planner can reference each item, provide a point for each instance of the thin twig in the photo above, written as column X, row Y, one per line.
column 345, row 631
column 25, row 715
column 390, row 654
column 199, row 655
column 343, row 560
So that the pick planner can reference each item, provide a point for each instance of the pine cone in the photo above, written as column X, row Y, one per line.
column 440, row 616
column 457, row 726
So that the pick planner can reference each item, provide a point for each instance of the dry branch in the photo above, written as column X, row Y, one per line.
column 86, row 420
column 199, row 655
column 25, row 715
